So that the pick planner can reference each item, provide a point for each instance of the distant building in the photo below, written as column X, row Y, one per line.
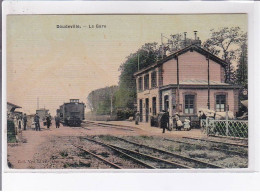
column 183, row 82
column 42, row 113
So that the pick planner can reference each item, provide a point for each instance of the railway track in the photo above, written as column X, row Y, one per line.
column 141, row 157
column 98, row 157
column 108, row 125
column 212, row 147
column 219, row 142
column 120, row 154
column 191, row 162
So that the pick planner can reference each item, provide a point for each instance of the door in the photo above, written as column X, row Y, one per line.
column 141, row 110
column 146, row 109
column 166, row 103
column 154, row 106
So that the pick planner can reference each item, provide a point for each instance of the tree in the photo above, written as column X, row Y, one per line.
column 175, row 43
column 241, row 72
column 147, row 55
column 99, row 101
column 225, row 42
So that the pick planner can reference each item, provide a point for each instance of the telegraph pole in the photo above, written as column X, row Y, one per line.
column 37, row 103
column 207, row 58
column 111, row 104
column 178, row 86
column 138, row 62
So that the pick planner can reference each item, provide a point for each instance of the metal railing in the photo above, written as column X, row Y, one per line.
column 225, row 128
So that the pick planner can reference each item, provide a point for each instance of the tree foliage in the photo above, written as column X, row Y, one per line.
column 147, row 55
column 242, row 69
column 226, row 43
column 99, row 101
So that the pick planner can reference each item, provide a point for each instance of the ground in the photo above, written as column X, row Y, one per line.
column 54, row 148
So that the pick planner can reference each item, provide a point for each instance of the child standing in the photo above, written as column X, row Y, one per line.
column 186, row 124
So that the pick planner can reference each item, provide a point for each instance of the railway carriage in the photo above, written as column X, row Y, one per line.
column 72, row 113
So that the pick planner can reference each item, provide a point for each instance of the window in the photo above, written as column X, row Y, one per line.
column 154, row 105
column 154, row 79
column 189, row 104
column 146, row 82
column 220, row 103
column 140, row 83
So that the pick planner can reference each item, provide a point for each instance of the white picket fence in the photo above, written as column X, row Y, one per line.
column 227, row 128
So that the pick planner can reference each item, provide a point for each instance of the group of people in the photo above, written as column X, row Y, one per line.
column 164, row 121
column 178, row 123
column 48, row 121
column 20, row 121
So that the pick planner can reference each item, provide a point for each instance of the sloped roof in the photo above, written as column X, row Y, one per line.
column 182, row 51
column 16, row 106
column 197, row 48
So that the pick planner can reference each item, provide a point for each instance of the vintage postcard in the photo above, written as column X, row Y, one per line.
column 127, row 92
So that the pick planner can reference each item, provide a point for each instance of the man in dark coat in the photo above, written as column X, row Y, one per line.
column 48, row 121
column 37, row 122
column 24, row 121
column 137, row 118
column 57, row 121
column 164, row 120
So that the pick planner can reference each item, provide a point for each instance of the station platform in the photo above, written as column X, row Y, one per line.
column 146, row 127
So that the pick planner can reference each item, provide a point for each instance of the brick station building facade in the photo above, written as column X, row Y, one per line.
column 183, row 82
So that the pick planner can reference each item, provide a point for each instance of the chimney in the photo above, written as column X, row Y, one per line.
column 195, row 34
column 185, row 39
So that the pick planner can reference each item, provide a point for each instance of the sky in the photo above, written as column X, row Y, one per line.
column 57, row 64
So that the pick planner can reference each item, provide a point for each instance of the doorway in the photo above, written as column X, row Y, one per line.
column 146, row 109
column 141, row 109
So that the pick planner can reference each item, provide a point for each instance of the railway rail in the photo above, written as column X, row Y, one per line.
column 212, row 147
column 108, row 125
column 122, row 154
column 194, row 162
column 160, row 163
column 98, row 157
column 219, row 142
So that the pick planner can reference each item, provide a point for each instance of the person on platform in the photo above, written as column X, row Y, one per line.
column 19, row 122
column 24, row 121
column 164, row 121
column 37, row 122
column 186, row 124
column 48, row 121
column 137, row 118
column 178, row 123
column 57, row 121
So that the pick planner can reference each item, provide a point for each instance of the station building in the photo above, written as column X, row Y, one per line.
column 11, row 109
column 183, row 82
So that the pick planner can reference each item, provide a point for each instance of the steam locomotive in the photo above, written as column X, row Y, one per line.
column 72, row 113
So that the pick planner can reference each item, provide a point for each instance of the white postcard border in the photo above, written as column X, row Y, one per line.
column 114, row 178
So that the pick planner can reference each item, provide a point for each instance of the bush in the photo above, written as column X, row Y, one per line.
column 10, row 132
column 124, row 114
